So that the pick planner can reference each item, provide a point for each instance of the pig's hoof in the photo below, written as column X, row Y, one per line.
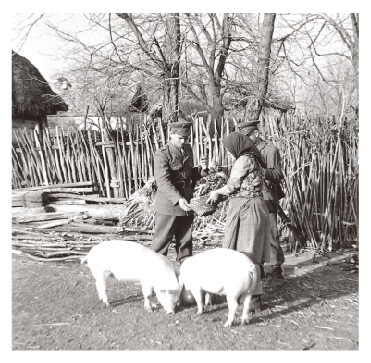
column 209, row 300
column 228, row 324
column 245, row 322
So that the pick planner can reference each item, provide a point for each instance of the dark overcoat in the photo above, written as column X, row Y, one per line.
column 175, row 177
column 273, row 173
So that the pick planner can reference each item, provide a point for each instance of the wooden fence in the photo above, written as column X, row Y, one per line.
column 320, row 164
column 117, row 162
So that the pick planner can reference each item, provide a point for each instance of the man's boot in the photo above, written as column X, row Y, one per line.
column 277, row 277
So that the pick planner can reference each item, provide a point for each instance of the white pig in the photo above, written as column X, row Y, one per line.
column 220, row 271
column 130, row 261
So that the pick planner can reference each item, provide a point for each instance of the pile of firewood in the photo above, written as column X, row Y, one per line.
column 73, row 193
column 48, row 225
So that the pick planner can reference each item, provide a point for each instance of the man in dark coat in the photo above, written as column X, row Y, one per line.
column 175, row 177
column 273, row 176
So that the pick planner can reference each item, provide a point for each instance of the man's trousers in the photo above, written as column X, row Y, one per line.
column 168, row 226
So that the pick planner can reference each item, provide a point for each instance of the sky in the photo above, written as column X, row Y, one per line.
column 42, row 47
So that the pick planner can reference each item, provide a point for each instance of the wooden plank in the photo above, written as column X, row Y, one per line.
column 103, row 211
column 39, row 217
column 56, row 186
column 58, row 195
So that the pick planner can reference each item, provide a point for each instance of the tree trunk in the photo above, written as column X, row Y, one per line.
column 355, row 56
column 218, row 110
column 262, row 71
column 217, row 97
column 355, row 45
column 170, row 107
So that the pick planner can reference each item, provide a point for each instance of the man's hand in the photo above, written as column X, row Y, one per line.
column 213, row 197
column 184, row 205
column 204, row 163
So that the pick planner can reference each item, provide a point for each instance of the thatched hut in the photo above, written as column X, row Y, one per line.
column 32, row 97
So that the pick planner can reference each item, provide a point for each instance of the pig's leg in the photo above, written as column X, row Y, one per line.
column 232, row 308
column 100, row 283
column 197, row 294
column 147, row 291
column 245, row 311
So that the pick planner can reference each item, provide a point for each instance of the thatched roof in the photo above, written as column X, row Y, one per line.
column 32, row 97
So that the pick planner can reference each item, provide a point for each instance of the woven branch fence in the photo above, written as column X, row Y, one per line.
column 319, row 159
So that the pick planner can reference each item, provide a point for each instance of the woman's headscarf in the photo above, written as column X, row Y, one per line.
column 238, row 144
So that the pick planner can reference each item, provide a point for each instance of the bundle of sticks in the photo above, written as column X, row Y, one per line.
column 139, row 210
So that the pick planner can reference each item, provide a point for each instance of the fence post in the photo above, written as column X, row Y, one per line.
column 107, row 148
column 39, row 149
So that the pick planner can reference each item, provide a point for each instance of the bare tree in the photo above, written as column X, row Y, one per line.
column 165, row 58
column 204, row 68
column 315, row 52
column 217, row 62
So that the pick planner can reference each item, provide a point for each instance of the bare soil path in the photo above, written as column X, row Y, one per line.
column 55, row 307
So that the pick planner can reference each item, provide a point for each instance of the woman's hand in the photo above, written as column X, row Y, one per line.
column 213, row 197
column 184, row 205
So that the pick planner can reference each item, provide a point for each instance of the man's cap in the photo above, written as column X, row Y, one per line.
column 248, row 126
column 182, row 128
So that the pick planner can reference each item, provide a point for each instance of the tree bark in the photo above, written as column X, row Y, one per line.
column 355, row 56
column 262, row 71
column 170, row 108
column 355, row 45
column 217, row 96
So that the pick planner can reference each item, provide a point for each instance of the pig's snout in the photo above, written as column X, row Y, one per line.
column 170, row 309
column 168, row 300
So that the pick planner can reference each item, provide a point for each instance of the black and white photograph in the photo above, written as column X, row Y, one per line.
column 185, row 181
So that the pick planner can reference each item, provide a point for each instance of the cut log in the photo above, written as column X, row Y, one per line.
column 18, row 204
column 87, row 228
column 70, row 201
column 67, row 258
column 97, row 199
column 53, row 224
column 87, row 190
column 59, row 222
column 102, row 211
column 46, row 217
column 65, row 185
column 29, row 198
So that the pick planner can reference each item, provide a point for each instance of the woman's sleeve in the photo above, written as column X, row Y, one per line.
column 244, row 165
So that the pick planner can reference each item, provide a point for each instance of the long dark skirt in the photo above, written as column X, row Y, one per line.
column 247, row 228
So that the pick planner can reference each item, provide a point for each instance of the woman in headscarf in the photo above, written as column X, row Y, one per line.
column 247, row 224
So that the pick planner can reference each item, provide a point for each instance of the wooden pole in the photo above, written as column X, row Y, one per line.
column 86, row 116
column 114, row 184
column 106, row 177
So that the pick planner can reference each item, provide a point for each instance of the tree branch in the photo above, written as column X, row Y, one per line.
column 141, row 41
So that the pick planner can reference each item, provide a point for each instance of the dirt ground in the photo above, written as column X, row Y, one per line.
column 55, row 307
